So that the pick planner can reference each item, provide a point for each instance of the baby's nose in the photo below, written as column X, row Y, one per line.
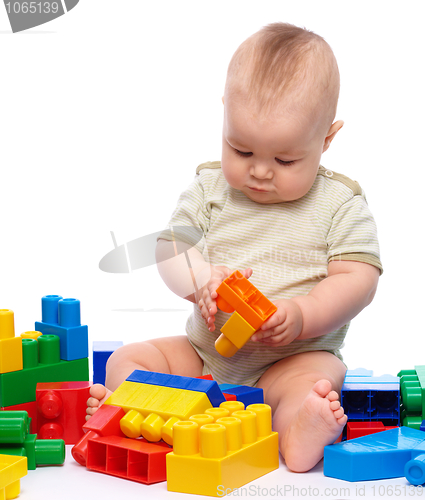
column 261, row 171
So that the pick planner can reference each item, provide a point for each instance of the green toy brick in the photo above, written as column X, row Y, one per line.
column 38, row 451
column 412, row 388
column 19, row 387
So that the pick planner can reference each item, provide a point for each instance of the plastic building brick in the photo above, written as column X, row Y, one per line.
column 7, row 324
column 422, row 427
column 10, row 346
column 102, row 350
column 30, row 408
column 151, row 410
column 61, row 410
column 15, row 439
column 235, row 333
column 252, row 308
column 224, row 387
column 209, row 387
column 228, row 453
column 229, row 397
column 414, row 470
column 378, row 456
column 248, row 395
column 105, row 422
column 359, row 429
column 359, row 372
column 412, row 386
column 61, row 317
column 41, row 363
column 12, row 469
column 369, row 398
column 31, row 335
column 133, row 459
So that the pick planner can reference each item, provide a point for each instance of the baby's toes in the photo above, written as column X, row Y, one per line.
column 92, row 402
column 97, row 391
column 90, row 412
column 334, row 405
column 339, row 413
column 332, row 396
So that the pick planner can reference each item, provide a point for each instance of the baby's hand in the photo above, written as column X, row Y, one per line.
column 284, row 326
column 207, row 302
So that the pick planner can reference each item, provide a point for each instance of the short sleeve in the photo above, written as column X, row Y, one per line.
column 353, row 234
column 190, row 220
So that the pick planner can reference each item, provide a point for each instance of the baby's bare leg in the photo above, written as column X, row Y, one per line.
column 303, row 393
column 174, row 355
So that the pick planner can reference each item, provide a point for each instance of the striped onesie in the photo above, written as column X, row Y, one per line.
column 288, row 245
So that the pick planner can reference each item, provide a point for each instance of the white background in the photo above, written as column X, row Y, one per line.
column 106, row 112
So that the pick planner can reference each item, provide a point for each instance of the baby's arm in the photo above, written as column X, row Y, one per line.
column 189, row 276
column 349, row 288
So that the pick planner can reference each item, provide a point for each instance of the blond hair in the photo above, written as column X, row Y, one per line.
column 281, row 62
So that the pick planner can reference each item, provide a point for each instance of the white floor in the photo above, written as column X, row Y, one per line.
column 72, row 481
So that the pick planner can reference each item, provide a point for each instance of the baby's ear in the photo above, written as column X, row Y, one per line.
column 335, row 127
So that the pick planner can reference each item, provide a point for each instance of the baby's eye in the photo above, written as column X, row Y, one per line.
column 286, row 163
column 242, row 153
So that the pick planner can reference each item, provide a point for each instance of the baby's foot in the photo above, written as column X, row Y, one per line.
column 99, row 393
column 319, row 422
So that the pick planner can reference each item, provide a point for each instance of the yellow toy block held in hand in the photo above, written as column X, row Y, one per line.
column 251, row 307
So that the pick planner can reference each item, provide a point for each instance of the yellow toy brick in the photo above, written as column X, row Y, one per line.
column 12, row 469
column 31, row 335
column 235, row 334
column 224, row 455
column 151, row 410
column 10, row 354
column 7, row 324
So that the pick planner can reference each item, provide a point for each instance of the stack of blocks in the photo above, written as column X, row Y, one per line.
column 250, row 310
column 56, row 352
column 237, row 449
column 412, row 384
column 372, row 404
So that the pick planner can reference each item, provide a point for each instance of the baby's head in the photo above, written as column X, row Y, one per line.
column 280, row 102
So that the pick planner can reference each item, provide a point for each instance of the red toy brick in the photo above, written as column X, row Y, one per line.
column 359, row 429
column 134, row 459
column 105, row 422
column 61, row 410
column 229, row 397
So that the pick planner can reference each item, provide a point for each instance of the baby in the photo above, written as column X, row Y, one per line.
column 304, row 233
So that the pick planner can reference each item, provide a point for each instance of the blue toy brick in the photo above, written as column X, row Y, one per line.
column 377, row 456
column 369, row 398
column 223, row 387
column 101, row 352
column 61, row 317
column 414, row 470
column 359, row 372
column 209, row 387
column 74, row 341
column 248, row 395
column 422, row 427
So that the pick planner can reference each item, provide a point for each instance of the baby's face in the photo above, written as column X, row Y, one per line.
column 271, row 160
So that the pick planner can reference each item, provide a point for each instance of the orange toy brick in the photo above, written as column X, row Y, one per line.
column 251, row 307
